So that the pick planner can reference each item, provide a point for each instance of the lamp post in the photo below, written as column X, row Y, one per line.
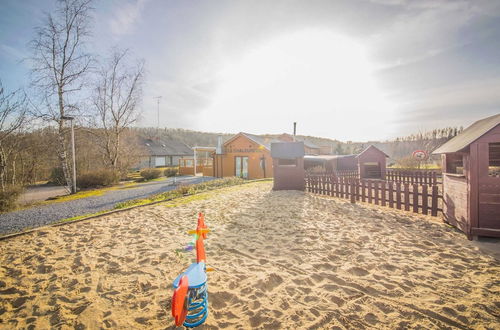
column 73, row 186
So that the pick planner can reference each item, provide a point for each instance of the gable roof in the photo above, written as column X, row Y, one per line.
column 266, row 143
column 371, row 146
column 165, row 147
column 469, row 135
column 287, row 150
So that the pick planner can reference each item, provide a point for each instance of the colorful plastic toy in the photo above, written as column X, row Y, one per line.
column 190, row 299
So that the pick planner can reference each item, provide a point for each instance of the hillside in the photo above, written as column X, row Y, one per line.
column 397, row 149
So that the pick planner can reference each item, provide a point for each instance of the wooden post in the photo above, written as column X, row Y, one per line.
column 391, row 195
column 353, row 192
column 434, row 201
column 363, row 198
column 415, row 198
column 383, row 194
column 376, row 192
column 398, row 195
column 369, row 192
column 407, row 196
column 425, row 199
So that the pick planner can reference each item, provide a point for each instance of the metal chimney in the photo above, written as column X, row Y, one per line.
column 294, row 129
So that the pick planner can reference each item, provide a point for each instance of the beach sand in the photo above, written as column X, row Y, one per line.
column 284, row 259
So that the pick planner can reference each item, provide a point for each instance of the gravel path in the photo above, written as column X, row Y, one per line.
column 46, row 214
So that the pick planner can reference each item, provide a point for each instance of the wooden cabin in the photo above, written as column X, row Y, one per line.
column 288, row 165
column 372, row 163
column 471, row 178
column 244, row 155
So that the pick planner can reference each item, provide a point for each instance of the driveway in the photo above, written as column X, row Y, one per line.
column 43, row 215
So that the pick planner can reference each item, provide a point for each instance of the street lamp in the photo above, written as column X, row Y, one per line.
column 73, row 188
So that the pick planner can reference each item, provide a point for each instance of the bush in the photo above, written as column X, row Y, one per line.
column 8, row 198
column 172, row 171
column 98, row 178
column 57, row 177
column 150, row 173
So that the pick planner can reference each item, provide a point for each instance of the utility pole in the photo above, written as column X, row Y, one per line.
column 158, row 116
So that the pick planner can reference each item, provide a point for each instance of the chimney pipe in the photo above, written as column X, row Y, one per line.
column 294, row 129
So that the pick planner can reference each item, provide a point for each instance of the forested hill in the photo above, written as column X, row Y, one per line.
column 398, row 148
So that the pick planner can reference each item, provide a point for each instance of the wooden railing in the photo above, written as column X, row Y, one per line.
column 421, row 198
column 413, row 176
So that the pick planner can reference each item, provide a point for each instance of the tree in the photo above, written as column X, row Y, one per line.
column 59, row 65
column 116, row 99
column 13, row 114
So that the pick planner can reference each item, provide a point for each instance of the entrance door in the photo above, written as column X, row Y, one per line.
column 241, row 167
column 489, row 185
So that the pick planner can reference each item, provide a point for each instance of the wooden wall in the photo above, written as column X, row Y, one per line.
column 289, row 177
column 456, row 202
column 241, row 146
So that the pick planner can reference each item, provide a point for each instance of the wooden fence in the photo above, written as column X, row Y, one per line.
column 354, row 174
column 421, row 198
column 413, row 176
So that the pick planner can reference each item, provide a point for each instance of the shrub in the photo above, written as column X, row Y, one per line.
column 171, row 171
column 8, row 198
column 150, row 173
column 183, row 189
column 98, row 178
column 57, row 177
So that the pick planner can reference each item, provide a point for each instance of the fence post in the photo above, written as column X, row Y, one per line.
column 415, row 198
column 398, row 195
column 434, row 201
column 376, row 190
column 383, row 194
column 407, row 196
column 369, row 192
column 353, row 192
column 425, row 199
column 391, row 195
column 363, row 198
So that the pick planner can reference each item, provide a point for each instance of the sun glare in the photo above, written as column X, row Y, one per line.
column 298, row 76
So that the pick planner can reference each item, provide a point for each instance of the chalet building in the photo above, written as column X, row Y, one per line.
column 471, row 178
column 163, row 152
column 370, row 163
column 244, row 155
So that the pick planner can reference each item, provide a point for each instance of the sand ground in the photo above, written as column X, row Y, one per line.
column 283, row 260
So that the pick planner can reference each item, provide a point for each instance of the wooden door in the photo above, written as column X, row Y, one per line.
column 488, row 185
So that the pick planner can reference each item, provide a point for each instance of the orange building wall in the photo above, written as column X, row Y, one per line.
column 241, row 146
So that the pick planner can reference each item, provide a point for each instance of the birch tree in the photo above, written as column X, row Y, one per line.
column 116, row 99
column 59, row 65
column 13, row 114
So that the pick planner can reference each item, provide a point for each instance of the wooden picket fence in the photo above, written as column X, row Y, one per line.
column 354, row 174
column 413, row 176
column 421, row 198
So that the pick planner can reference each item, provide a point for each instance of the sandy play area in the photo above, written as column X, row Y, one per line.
column 284, row 259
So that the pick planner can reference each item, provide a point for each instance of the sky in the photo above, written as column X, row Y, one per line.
column 350, row 70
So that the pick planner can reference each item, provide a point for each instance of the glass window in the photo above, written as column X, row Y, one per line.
column 454, row 164
column 494, row 159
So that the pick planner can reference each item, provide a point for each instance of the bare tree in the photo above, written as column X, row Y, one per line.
column 117, row 96
column 60, row 63
column 13, row 114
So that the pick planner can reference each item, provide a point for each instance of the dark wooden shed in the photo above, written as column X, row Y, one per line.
column 288, row 165
column 372, row 163
column 471, row 178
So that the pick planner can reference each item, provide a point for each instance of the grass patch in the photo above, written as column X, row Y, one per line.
column 78, row 217
column 182, row 191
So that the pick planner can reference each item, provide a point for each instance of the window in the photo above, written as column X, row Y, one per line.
column 494, row 159
column 454, row 164
column 287, row 162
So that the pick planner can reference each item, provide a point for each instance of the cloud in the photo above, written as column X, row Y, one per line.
column 126, row 17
